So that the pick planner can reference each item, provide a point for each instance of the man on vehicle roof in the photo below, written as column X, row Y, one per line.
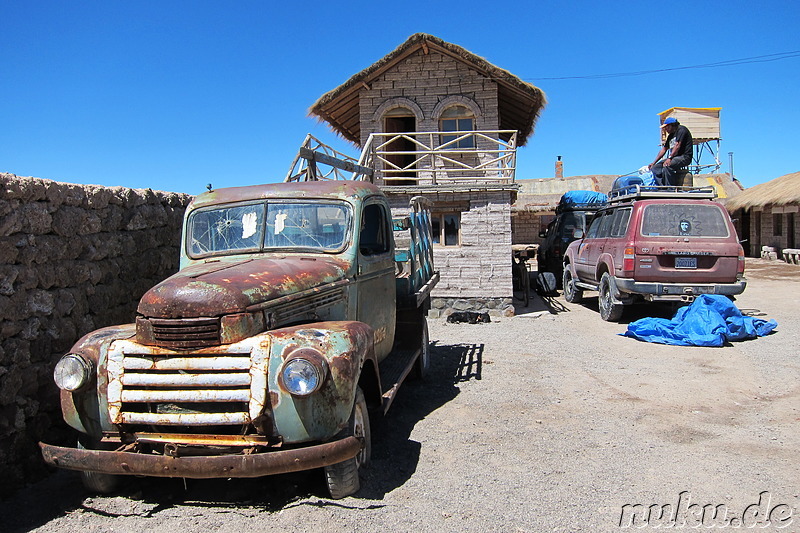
column 679, row 145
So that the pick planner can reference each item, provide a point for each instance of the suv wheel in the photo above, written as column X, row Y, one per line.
column 609, row 311
column 572, row 294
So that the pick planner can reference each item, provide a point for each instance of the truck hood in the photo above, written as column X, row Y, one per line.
column 223, row 287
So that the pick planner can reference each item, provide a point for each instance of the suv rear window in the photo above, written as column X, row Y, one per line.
column 676, row 220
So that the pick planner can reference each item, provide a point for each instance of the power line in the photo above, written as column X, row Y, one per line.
column 728, row 63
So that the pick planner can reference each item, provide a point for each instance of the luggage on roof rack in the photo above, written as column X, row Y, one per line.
column 584, row 200
column 637, row 191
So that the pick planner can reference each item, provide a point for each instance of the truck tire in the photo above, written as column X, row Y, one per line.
column 422, row 365
column 96, row 482
column 572, row 294
column 609, row 311
column 342, row 478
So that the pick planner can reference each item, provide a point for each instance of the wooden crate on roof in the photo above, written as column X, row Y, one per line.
column 703, row 122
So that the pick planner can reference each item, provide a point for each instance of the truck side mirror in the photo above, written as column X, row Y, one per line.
column 577, row 233
column 543, row 234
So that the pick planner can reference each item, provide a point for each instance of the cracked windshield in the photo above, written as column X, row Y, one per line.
column 253, row 227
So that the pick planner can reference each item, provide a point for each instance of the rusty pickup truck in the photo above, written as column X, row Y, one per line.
column 292, row 319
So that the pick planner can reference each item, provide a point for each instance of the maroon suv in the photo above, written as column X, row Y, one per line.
column 655, row 245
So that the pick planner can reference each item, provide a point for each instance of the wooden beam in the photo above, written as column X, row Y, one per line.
column 326, row 159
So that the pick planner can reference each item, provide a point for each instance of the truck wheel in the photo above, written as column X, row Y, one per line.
column 609, row 311
column 572, row 294
column 97, row 482
column 342, row 478
column 422, row 366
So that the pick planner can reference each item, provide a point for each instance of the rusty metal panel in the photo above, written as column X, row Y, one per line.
column 180, row 439
column 185, row 419
column 160, row 377
column 227, row 362
column 259, row 363
column 223, row 466
column 203, row 289
column 345, row 346
column 185, row 379
column 191, row 395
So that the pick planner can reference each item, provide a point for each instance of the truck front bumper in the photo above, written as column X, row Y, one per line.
column 677, row 291
column 202, row 467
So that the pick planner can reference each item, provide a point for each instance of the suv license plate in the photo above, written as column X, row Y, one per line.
column 685, row 262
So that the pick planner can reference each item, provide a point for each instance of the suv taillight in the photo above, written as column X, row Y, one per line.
column 740, row 266
column 628, row 259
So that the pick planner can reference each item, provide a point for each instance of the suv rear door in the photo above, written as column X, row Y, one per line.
column 681, row 241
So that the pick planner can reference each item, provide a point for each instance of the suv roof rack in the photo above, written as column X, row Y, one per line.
column 588, row 206
column 638, row 192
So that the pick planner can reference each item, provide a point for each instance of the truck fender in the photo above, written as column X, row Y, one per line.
column 605, row 263
column 343, row 348
column 86, row 409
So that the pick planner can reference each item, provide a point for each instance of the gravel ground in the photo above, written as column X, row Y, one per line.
column 547, row 421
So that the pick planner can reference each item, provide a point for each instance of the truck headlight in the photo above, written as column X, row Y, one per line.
column 304, row 372
column 72, row 372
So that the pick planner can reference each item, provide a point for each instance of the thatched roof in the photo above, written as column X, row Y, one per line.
column 780, row 191
column 519, row 103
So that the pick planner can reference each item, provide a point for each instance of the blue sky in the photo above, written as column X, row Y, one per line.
column 173, row 95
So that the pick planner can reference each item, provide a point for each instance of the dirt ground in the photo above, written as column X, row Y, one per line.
column 547, row 421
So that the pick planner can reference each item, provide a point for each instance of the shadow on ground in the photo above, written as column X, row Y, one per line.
column 394, row 459
column 539, row 303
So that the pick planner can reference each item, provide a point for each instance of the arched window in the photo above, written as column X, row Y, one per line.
column 457, row 118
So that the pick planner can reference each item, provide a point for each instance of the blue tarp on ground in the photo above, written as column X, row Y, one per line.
column 710, row 320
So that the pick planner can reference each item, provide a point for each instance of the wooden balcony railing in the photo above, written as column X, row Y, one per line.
column 414, row 158
column 441, row 157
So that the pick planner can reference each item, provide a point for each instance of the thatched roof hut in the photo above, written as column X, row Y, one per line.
column 519, row 103
column 780, row 191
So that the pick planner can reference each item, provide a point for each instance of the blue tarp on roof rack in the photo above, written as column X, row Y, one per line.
column 581, row 200
column 711, row 320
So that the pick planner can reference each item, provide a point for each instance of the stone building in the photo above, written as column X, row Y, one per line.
column 436, row 120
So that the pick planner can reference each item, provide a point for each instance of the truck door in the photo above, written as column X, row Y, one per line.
column 375, row 281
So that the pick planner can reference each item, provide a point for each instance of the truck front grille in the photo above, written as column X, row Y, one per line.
column 184, row 390
column 186, row 332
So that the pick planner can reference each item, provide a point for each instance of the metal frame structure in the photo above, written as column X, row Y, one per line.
column 699, row 148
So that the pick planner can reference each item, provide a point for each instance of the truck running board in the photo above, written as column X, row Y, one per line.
column 394, row 370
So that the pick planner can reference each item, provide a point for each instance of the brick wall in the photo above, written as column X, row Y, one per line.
column 73, row 258
column 789, row 228
column 526, row 225
column 476, row 274
column 428, row 81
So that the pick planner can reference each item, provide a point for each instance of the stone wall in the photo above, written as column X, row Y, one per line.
column 73, row 258
column 427, row 84
column 763, row 231
column 526, row 225
column 476, row 275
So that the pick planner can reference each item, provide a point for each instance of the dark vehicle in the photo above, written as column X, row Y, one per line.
column 655, row 244
column 574, row 212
